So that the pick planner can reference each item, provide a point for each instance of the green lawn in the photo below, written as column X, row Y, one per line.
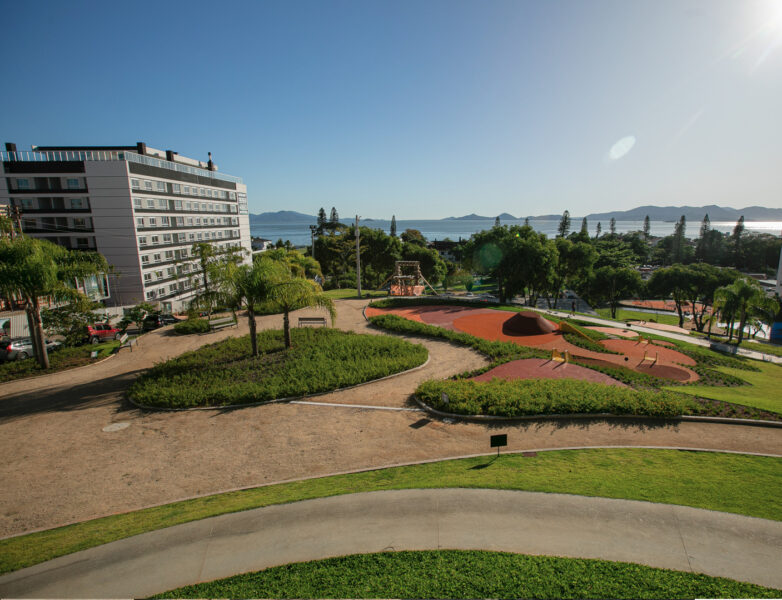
column 469, row 574
column 764, row 391
column 59, row 360
column 353, row 293
column 748, row 485
column 633, row 315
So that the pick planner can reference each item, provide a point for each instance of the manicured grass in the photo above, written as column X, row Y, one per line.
column 59, row 360
column 353, row 293
column 469, row 574
column 634, row 315
column 191, row 326
column 748, row 485
column 226, row 373
column 527, row 397
column 772, row 349
column 764, row 391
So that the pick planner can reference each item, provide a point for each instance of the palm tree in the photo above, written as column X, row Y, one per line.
column 32, row 269
column 291, row 293
column 726, row 305
column 742, row 300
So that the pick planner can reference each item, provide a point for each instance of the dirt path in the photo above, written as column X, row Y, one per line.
column 59, row 466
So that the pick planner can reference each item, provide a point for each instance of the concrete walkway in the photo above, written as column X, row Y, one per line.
column 658, row 535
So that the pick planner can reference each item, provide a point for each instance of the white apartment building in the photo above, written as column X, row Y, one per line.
column 142, row 208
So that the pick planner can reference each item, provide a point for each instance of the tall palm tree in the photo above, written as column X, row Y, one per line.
column 726, row 306
column 33, row 269
column 742, row 300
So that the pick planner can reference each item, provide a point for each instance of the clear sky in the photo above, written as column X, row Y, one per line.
column 423, row 109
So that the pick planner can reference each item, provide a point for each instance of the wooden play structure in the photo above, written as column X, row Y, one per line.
column 557, row 356
column 407, row 279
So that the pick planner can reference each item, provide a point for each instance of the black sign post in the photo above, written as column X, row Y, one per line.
column 497, row 441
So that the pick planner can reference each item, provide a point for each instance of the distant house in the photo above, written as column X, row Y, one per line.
column 448, row 249
column 260, row 244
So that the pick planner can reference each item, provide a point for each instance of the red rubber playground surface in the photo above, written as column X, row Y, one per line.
column 489, row 324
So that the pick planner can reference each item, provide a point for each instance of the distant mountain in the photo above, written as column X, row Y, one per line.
column 545, row 218
column 691, row 213
column 474, row 217
column 282, row 216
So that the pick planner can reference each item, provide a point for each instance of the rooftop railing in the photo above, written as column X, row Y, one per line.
column 81, row 155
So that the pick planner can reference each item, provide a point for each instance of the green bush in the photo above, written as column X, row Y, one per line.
column 321, row 360
column 191, row 326
column 527, row 397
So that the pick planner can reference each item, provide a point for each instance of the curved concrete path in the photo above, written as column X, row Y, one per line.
column 658, row 535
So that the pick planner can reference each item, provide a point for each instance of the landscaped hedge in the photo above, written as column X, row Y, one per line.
column 321, row 360
column 192, row 326
column 527, row 397
column 497, row 351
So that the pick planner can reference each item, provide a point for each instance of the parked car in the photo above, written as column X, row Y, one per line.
column 155, row 321
column 99, row 332
column 21, row 348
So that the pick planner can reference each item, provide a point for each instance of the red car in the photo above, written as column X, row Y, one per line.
column 99, row 332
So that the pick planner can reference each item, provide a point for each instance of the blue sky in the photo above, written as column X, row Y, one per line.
column 419, row 109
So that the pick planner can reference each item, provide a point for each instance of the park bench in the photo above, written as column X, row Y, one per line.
column 312, row 321
column 221, row 323
column 126, row 342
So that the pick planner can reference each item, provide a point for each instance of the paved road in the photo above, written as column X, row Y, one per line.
column 658, row 535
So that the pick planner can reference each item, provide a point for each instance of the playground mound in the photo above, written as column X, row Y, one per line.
column 540, row 368
column 528, row 323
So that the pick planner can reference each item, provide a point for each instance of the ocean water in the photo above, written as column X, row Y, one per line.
column 299, row 233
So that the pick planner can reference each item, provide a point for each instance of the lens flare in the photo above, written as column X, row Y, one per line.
column 621, row 148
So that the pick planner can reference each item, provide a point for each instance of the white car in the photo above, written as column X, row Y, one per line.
column 22, row 348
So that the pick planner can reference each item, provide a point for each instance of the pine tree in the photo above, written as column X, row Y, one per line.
column 599, row 230
column 738, row 229
column 321, row 220
column 647, row 227
column 564, row 224
column 497, row 222
column 612, row 226
column 705, row 226
column 526, row 222
column 393, row 225
column 334, row 219
column 584, row 227
column 678, row 239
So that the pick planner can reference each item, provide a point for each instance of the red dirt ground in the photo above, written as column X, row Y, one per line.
column 614, row 331
column 660, row 305
column 490, row 324
column 540, row 368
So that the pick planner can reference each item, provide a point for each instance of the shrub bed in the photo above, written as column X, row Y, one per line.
column 191, row 326
column 59, row 360
column 528, row 397
column 321, row 360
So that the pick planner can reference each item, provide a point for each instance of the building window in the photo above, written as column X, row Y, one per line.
column 166, row 238
column 82, row 242
column 178, row 205
column 177, row 188
column 136, row 202
column 135, row 184
column 139, row 221
column 142, row 241
column 145, row 259
column 161, row 186
column 164, row 221
column 169, row 255
column 150, row 294
column 156, row 257
column 147, row 185
column 162, row 203
column 147, row 277
column 152, row 221
column 170, row 271
column 155, row 240
column 172, row 288
column 80, row 223
column 22, row 184
column 191, row 237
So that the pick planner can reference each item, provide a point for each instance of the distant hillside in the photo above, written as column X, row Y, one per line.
column 691, row 213
column 474, row 217
column 282, row 216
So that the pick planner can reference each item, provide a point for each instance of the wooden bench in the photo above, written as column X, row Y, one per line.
column 125, row 342
column 221, row 323
column 312, row 321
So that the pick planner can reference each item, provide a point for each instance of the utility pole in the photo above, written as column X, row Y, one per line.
column 358, row 262
column 312, row 237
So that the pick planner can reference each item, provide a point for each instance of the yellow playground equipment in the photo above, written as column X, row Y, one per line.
column 557, row 356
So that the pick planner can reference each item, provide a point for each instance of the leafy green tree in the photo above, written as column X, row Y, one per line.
column 614, row 252
column 432, row 266
column 413, row 236
column 611, row 284
column 70, row 320
column 574, row 265
column 137, row 314
column 33, row 269
column 675, row 281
